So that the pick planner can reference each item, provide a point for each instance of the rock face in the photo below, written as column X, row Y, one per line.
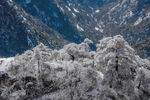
column 112, row 72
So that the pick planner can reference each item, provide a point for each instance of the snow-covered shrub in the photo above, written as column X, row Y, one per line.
column 112, row 72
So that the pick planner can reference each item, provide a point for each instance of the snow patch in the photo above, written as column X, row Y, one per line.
column 74, row 15
column 130, row 14
column 76, row 10
column 68, row 8
column 98, row 29
column 61, row 9
column 97, row 11
column 79, row 28
column 138, row 21
column 10, row 0
column 24, row 19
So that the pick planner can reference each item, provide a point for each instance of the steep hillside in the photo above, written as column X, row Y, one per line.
column 78, row 19
column 20, row 31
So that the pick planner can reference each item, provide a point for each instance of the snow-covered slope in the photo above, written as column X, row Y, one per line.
column 20, row 31
column 112, row 72
column 57, row 22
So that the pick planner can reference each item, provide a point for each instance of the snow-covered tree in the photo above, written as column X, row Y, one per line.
column 112, row 72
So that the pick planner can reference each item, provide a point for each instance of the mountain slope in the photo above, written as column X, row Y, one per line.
column 76, row 19
column 20, row 31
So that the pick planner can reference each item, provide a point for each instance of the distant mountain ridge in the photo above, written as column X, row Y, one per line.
column 74, row 20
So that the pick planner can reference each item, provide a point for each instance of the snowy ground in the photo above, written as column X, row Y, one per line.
column 5, row 63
